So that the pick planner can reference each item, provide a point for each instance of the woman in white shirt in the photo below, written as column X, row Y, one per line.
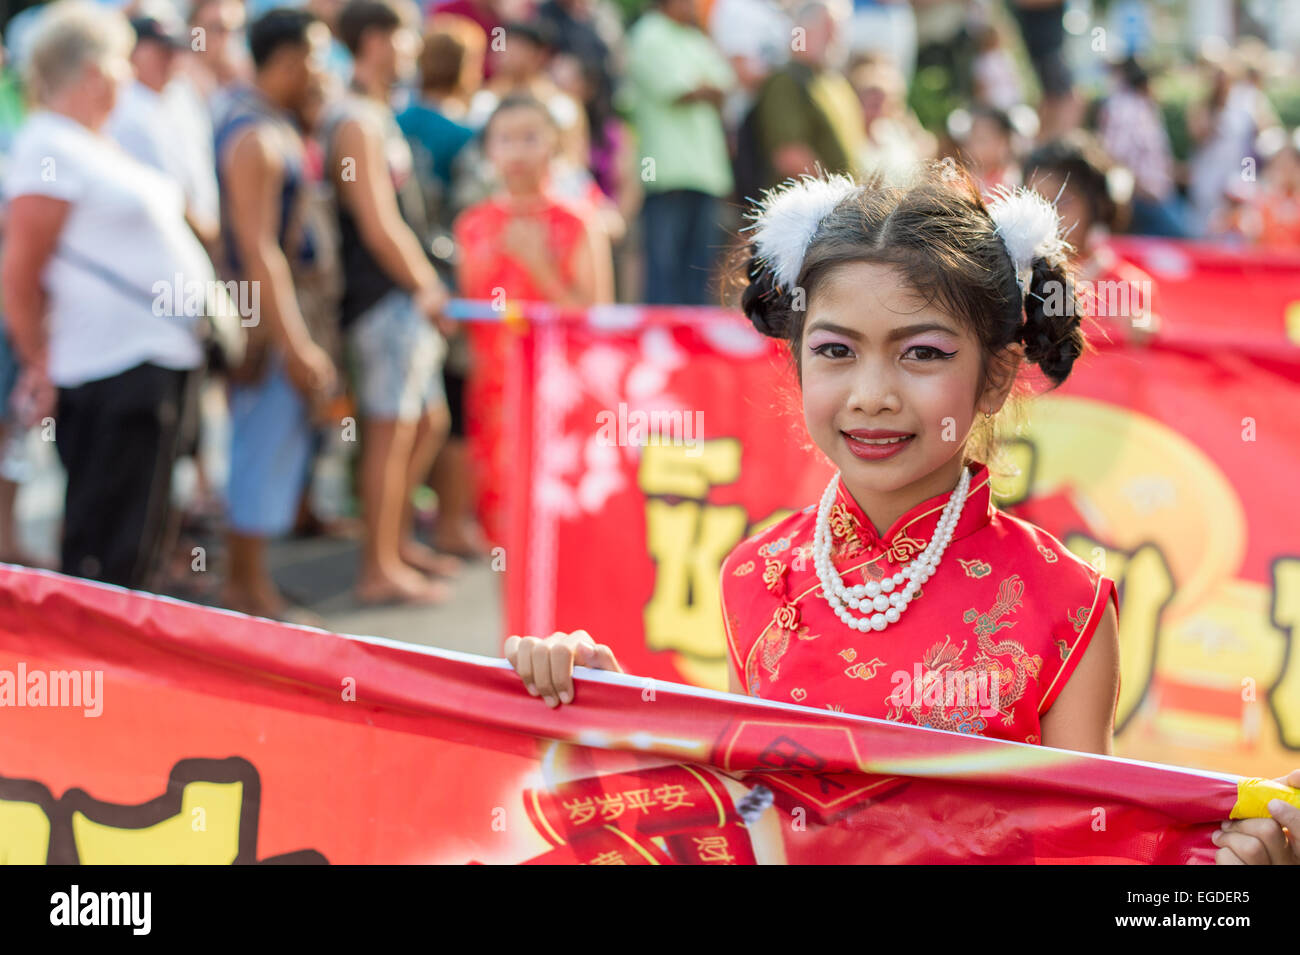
column 104, row 284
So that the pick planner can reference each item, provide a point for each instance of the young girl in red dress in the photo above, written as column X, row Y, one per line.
column 911, row 312
column 523, row 244
column 1076, row 174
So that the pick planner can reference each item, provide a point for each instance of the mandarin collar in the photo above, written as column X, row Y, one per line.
column 853, row 533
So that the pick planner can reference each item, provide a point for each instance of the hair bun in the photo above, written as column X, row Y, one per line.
column 1051, row 333
column 763, row 302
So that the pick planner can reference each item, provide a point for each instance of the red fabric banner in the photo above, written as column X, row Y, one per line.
column 654, row 447
column 143, row 729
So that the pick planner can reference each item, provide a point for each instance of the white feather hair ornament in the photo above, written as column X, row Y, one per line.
column 787, row 219
column 1028, row 225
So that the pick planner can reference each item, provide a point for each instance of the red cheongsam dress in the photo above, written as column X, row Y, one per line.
column 985, row 646
column 488, row 273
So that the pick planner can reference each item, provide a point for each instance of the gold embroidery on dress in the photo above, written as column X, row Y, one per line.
column 773, row 570
column 1064, row 649
column 844, row 530
column 904, row 548
column 975, row 568
column 774, row 644
column 1079, row 618
column 746, row 568
column 874, row 571
column 1049, row 555
column 939, row 658
column 786, row 617
column 799, row 694
column 1023, row 665
column 864, row 671
column 849, row 654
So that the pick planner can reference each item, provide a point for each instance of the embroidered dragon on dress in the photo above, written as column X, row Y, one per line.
column 936, row 660
column 1023, row 664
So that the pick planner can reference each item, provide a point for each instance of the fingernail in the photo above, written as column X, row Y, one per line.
column 531, row 689
column 567, row 697
column 550, row 700
column 1225, row 824
column 1275, row 806
column 1215, row 838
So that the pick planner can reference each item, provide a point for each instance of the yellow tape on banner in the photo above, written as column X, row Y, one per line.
column 515, row 320
column 1253, row 795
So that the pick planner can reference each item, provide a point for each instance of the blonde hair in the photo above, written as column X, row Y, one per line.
column 69, row 36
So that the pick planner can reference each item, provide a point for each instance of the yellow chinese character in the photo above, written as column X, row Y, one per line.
column 639, row 799
column 611, row 806
column 672, row 796
column 713, row 849
column 580, row 811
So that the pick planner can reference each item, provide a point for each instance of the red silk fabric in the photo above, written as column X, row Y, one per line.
column 985, row 646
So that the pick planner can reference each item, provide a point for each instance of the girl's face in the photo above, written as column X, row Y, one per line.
column 987, row 145
column 875, row 358
column 520, row 145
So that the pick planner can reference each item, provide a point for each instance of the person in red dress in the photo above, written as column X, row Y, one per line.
column 523, row 244
column 912, row 312
column 1076, row 174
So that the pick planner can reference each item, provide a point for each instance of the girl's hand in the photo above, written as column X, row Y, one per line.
column 1262, row 841
column 546, row 666
column 526, row 240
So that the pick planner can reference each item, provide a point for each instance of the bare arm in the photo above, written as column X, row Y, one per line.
column 702, row 94
column 1082, row 717
column 371, row 201
column 255, row 177
column 31, row 236
column 734, row 684
column 594, row 267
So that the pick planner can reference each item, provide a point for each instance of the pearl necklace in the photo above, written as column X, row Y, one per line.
column 879, row 599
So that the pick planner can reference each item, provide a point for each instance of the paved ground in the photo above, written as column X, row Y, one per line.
column 317, row 572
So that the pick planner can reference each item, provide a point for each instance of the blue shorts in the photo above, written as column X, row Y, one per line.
column 9, row 371
column 396, row 357
column 270, row 452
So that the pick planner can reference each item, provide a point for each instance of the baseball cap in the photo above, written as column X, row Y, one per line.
column 168, row 32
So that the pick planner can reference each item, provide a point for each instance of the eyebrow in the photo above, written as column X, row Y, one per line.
column 903, row 331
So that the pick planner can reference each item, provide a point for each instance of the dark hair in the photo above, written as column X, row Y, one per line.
column 519, row 101
column 442, row 61
column 358, row 16
column 1135, row 74
column 537, row 32
column 937, row 232
column 1077, row 158
column 283, row 26
column 999, row 117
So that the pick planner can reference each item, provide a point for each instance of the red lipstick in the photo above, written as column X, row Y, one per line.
column 859, row 445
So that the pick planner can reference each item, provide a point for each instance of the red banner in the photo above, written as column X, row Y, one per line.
column 651, row 451
column 142, row 729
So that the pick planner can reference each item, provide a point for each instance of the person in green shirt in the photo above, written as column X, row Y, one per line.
column 806, row 113
column 678, row 81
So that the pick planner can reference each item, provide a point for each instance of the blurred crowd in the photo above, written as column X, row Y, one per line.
column 276, row 204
